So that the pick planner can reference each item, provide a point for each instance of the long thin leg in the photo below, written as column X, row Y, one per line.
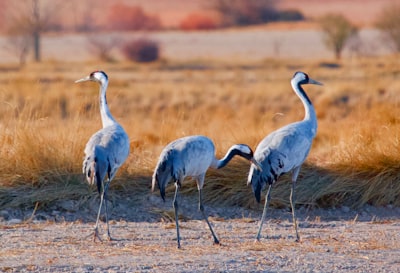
column 96, row 231
column 201, row 207
column 267, row 199
column 293, row 204
column 293, row 201
column 106, row 207
column 175, row 205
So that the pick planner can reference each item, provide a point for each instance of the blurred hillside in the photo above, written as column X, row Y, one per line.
column 70, row 14
column 69, row 30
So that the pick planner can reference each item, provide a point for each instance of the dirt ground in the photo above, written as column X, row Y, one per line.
column 332, row 240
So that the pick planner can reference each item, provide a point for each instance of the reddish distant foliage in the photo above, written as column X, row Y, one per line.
column 124, row 17
column 198, row 21
column 141, row 50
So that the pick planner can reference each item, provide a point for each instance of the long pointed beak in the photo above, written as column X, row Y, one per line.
column 85, row 79
column 311, row 81
column 256, row 164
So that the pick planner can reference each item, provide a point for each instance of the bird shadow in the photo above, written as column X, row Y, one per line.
column 320, row 197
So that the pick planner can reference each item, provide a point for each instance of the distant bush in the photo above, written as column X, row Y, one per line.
column 250, row 12
column 124, row 17
column 388, row 22
column 337, row 31
column 141, row 50
column 198, row 21
column 290, row 15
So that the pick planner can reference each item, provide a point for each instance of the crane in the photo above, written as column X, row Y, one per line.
column 192, row 156
column 105, row 151
column 285, row 150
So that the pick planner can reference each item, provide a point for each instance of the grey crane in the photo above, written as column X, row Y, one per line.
column 105, row 151
column 192, row 156
column 285, row 150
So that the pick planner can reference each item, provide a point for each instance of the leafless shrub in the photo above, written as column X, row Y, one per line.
column 102, row 45
column 141, row 50
column 19, row 45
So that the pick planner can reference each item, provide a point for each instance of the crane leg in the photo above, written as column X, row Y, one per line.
column 293, row 201
column 201, row 208
column 175, row 205
column 96, row 231
column 106, row 208
column 293, row 204
column 267, row 199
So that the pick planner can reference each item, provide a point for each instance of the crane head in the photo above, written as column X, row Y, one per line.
column 246, row 152
column 95, row 76
column 303, row 78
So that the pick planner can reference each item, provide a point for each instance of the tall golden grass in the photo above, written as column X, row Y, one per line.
column 46, row 120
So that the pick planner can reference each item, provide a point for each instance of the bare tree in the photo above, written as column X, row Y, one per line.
column 30, row 18
column 337, row 31
column 37, row 27
column 389, row 24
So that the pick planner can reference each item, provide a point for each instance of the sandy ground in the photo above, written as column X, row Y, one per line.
column 333, row 240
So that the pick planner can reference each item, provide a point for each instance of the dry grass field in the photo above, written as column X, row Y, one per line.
column 46, row 120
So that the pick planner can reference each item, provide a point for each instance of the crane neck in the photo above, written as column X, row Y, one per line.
column 310, row 115
column 106, row 117
column 233, row 151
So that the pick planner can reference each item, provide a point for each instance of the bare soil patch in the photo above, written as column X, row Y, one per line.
column 333, row 240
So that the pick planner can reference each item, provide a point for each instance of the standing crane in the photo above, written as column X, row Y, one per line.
column 192, row 156
column 285, row 150
column 105, row 151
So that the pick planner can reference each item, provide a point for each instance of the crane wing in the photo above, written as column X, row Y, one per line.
column 273, row 164
column 115, row 144
column 278, row 153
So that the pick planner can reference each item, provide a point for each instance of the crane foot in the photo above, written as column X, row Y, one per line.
column 96, row 235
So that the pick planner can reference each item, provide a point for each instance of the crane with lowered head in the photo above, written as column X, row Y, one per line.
column 191, row 156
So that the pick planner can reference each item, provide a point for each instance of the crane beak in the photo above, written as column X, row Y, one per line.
column 311, row 81
column 85, row 79
column 256, row 164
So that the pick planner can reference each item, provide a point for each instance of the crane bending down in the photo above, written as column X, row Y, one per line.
column 105, row 151
column 285, row 150
column 192, row 156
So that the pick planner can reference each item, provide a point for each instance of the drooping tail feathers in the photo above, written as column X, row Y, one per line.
column 96, row 166
column 272, row 168
column 167, row 168
column 161, row 176
column 256, row 181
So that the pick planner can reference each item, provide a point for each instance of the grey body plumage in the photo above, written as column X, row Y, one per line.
column 191, row 157
column 285, row 150
column 105, row 151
